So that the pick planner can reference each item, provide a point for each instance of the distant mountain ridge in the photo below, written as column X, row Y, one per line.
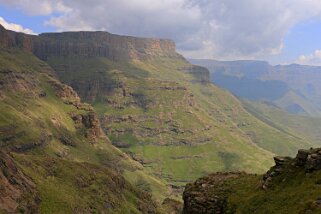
column 295, row 88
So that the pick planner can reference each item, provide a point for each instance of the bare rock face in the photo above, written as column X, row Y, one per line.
column 89, row 44
column 102, row 44
column 17, row 192
column 13, row 39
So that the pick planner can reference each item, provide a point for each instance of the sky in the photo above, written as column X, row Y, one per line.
column 279, row 31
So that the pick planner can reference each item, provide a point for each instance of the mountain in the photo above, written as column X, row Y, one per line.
column 160, row 109
column 306, row 126
column 152, row 123
column 295, row 88
column 291, row 186
column 54, row 155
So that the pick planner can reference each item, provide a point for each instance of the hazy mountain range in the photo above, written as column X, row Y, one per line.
column 295, row 88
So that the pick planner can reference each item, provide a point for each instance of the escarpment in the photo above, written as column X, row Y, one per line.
column 64, row 51
column 101, row 44
column 90, row 44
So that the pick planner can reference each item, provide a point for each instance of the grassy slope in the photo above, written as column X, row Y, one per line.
column 26, row 119
column 290, row 98
column 305, row 127
column 213, row 132
column 292, row 192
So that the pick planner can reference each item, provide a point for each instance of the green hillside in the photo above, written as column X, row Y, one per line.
column 51, row 163
column 153, row 123
column 161, row 112
column 305, row 127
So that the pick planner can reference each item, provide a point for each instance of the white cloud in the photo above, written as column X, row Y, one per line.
column 222, row 29
column 312, row 59
column 37, row 7
column 15, row 27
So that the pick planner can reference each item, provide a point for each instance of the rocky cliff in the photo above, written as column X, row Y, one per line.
column 101, row 44
column 89, row 44
column 13, row 39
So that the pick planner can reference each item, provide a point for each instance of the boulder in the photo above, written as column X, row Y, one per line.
column 90, row 122
column 208, row 195
column 279, row 161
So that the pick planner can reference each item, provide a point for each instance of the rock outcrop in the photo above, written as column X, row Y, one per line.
column 207, row 195
column 220, row 193
column 66, row 93
column 90, row 122
column 307, row 160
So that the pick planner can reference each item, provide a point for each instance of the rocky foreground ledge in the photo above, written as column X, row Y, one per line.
column 239, row 192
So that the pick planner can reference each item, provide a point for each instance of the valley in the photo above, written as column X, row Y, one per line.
column 294, row 88
column 93, row 121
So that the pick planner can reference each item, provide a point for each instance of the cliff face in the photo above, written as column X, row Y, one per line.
column 13, row 39
column 101, row 44
column 89, row 44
